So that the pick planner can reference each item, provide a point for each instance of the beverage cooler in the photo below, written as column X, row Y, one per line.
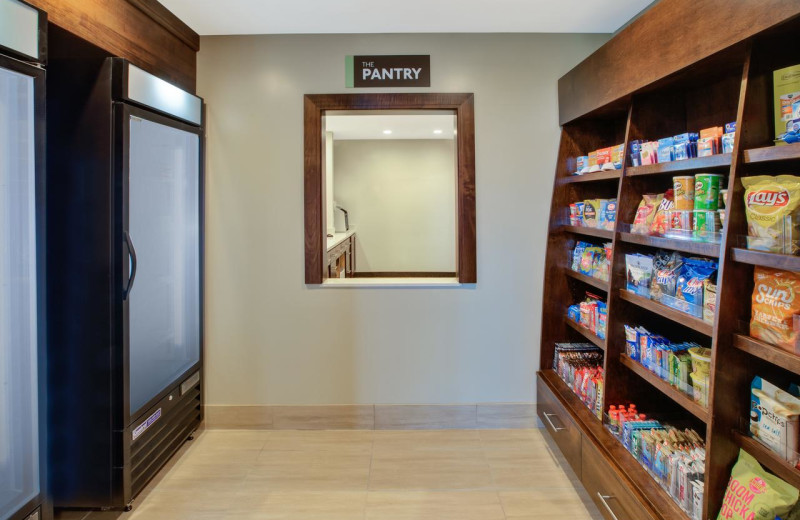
column 22, row 263
column 126, row 210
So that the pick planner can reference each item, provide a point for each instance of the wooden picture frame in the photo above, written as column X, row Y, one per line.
column 315, row 107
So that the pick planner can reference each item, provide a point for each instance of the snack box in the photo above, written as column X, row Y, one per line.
column 582, row 165
column 618, row 155
column 786, row 90
column 665, row 148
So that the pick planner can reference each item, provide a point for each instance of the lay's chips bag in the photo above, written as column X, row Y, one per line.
column 776, row 299
column 772, row 205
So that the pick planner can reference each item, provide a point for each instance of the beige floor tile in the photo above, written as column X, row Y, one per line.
column 527, row 441
column 415, row 441
column 433, row 470
column 424, row 417
column 231, row 440
column 310, row 471
column 331, row 417
column 544, row 503
column 334, row 441
column 238, row 417
column 427, row 505
column 311, row 505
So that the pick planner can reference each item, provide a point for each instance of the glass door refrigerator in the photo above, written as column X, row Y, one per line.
column 22, row 267
column 126, row 208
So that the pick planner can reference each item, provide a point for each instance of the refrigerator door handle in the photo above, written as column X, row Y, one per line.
column 133, row 263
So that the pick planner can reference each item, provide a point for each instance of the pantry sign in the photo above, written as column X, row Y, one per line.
column 387, row 71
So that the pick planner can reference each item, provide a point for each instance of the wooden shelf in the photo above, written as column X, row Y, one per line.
column 589, row 280
column 667, row 389
column 589, row 232
column 719, row 161
column 679, row 317
column 762, row 258
column 770, row 353
column 640, row 480
column 590, row 177
column 684, row 246
column 786, row 152
column 768, row 458
column 586, row 333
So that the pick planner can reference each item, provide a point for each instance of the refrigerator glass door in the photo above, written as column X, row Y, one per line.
column 19, row 425
column 164, row 301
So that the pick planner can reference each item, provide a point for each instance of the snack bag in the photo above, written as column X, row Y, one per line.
column 666, row 267
column 690, row 284
column 775, row 303
column 754, row 494
column 771, row 208
column 591, row 212
column 660, row 220
column 775, row 418
column 646, row 213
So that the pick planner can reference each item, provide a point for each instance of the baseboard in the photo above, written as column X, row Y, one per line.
column 373, row 417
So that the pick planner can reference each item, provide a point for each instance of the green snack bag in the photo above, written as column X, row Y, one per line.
column 754, row 494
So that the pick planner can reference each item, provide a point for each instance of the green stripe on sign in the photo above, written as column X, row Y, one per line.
column 349, row 72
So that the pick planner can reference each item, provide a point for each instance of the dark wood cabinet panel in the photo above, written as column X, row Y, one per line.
column 559, row 425
column 142, row 31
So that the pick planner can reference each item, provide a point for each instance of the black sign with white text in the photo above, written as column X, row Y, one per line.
column 391, row 71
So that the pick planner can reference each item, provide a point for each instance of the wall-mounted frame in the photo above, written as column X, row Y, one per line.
column 315, row 107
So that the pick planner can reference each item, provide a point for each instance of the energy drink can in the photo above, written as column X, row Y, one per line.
column 684, row 188
column 706, row 191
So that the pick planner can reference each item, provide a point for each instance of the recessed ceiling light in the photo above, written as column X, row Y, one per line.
column 437, row 132
column 387, row 132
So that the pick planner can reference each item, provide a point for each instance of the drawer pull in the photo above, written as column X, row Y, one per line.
column 603, row 499
column 547, row 416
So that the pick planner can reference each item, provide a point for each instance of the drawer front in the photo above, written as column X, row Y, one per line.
column 559, row 425
column 612, row 497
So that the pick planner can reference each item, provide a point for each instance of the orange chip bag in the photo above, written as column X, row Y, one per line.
column 775, row 302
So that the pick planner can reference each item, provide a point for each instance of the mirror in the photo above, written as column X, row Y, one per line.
column 390, row 200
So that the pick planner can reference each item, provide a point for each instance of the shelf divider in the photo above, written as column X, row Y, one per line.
column 719, row 161
column 769, row 353
column 682, row 318
column 768, row 458
column 685, row 246
column 589, row 280
column 667, row 389
column 596, row 340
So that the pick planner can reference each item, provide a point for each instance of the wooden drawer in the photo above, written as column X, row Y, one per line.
column 559, row 424
column 613, row 498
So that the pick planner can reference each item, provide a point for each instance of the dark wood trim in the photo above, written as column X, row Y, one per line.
column 765, row 259
column 768, row 458
column 586, row 333
column 679, row 317
column 405, row 274
column 166, row 19
column 769, row 353
column 315, row 106
column 597, row 283
column 773, row 153
column 619, row 69
column 713, row 162
column 685, row 246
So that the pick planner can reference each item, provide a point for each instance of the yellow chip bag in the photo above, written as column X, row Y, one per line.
column 771, row 207
column 775, row 302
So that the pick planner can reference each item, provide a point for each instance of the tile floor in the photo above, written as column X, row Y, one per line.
column 366, row 475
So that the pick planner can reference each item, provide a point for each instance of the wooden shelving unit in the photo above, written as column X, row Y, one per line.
column 589, row 280
column 769, row 353
column 592, row 177
column 787, row 152
column 713, row 162
column 774, row 260
column 686, row 402
column 734, row 85
column 586, row 333
column 684, row 246
column 589, row 232
column 679, row 317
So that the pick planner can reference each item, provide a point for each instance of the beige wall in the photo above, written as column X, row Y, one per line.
column 401, row 199
column 272, row 340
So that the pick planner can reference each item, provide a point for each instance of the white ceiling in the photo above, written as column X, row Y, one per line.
column 352, row 127
column 208, row 17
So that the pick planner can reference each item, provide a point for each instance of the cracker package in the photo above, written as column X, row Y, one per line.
column 646, row 213
column 775, row 303
column 667, row 267
column 689, row 289
column 591, row 212
column 754, row 494
column 771, row 207
column 775, row 418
